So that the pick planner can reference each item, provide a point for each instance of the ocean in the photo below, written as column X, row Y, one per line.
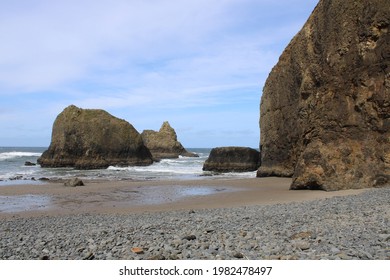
column 14, row 171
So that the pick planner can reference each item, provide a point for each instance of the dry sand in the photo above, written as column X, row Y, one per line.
column 150, row 196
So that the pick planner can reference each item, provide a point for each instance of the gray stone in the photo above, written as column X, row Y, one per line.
column 189, row 237
column 74, row 182
column 302, row 245
column 345, row 235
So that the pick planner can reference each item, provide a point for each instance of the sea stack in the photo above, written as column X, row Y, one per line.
column 93, row 139
column 164, row 144
column 325, row 108
column 232, row 159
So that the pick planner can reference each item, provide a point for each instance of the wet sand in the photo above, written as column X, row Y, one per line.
column 150, row 196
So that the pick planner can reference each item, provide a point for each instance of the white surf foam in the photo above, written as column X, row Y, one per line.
column 12, row 155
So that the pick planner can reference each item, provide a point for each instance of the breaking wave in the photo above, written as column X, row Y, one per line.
column 13, row 155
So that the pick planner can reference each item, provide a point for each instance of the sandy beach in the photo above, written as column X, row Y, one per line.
column 101, row 197
column 198, row 219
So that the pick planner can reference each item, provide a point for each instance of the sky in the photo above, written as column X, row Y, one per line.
column 199, row 64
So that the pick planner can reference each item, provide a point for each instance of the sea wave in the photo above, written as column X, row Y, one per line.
column 163, row 167
column 13, row 155
column 12, row 166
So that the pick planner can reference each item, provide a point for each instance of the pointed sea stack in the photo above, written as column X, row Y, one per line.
column 93, row 139
column 164, row 144
column 325, row 108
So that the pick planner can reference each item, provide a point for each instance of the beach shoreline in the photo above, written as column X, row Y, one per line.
column 122, row 197
column 211, row 219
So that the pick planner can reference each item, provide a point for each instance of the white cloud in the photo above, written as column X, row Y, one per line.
column 53, row 42
column 47, row 44
column 149, row 57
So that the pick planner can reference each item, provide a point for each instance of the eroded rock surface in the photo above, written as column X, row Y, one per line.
column 232, row 159
column 93, row 139
column 325, row 108
column 164, row 144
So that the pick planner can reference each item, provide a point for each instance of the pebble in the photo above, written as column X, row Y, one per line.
column 350, row 227
column 137, row 250
column 302, row 245
column 238, row 255
column 189, row 237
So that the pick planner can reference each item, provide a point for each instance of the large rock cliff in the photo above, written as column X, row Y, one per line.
column 164, row 144
column 325, row 108
column 92, row 139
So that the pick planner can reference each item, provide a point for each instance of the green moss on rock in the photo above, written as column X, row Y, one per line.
column 93, row 139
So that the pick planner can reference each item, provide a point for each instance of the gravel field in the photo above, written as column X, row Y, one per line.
column 349, row 227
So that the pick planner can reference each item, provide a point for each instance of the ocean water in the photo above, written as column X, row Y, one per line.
column 13, row 169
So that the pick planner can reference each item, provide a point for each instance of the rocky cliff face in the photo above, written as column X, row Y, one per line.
column 91, row 139
column 232, row 159
column 164, row 143
column 325, row 108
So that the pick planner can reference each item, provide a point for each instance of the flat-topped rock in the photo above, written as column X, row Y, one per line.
column 93, row 139
column 232, row 159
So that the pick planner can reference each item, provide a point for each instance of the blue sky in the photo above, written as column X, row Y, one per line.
column 199, row 64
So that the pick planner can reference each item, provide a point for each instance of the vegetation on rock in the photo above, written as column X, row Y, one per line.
column 93, row 139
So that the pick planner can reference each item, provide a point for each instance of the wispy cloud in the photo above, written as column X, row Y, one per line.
column 141, row 56
column 47, row 43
